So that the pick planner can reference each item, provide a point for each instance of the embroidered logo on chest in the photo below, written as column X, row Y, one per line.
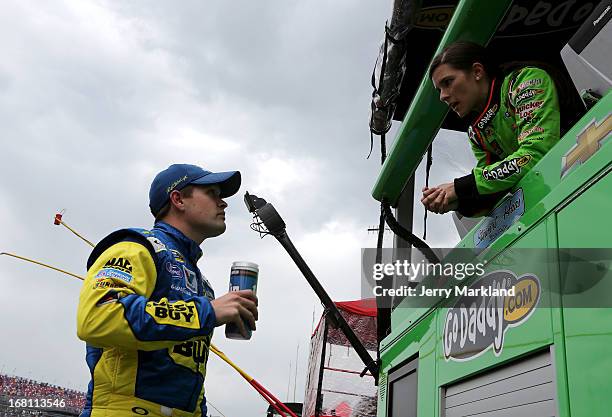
column 174, row 270
column 177, row 256
column 487, row 117
column 191, row 280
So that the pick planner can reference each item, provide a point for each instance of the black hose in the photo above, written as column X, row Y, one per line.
column 407, row 235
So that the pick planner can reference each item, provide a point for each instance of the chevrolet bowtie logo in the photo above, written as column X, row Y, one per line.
column 587, row 143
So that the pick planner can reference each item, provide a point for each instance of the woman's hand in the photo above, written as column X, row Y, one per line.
column 440, row 199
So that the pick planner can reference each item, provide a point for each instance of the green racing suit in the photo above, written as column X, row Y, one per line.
column 519, row 124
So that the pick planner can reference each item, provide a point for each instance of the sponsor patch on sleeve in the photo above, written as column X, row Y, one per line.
column 122, row 264
column 103, row 284
column 113, row 273
column 526, row 84
column 524, row 134
column 527, row 94
column 506, row 169
column 525, row 111
column 177, row 313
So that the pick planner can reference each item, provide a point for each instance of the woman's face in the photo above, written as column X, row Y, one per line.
column 463, row 91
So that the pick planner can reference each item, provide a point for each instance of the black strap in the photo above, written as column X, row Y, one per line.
column 381, row 222
column 383, row 66
column 379, row 88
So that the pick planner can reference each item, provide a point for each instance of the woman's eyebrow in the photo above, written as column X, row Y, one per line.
column 442, row 81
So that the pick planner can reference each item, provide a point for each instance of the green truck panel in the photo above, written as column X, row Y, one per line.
column 588, row 331
column 565, row 201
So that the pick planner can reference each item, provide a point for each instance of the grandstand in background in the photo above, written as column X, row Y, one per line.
column 14, row 388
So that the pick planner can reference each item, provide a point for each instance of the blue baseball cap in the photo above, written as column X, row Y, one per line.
column 179, row 176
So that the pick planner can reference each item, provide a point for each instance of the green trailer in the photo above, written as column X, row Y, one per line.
column 553, row 355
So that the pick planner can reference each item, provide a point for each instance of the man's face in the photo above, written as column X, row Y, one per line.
column 205, row 210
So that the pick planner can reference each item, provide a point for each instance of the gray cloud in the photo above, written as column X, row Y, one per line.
column 96, row 97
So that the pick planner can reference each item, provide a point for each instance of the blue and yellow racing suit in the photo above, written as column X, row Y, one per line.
column 145, row 313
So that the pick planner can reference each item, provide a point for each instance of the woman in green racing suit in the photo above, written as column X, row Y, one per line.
column 515, row 120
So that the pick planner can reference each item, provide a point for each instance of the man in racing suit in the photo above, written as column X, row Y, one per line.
column 146, row 311
column 519, row 124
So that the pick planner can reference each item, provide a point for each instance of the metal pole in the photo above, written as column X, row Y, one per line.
column 296, row 370
column 333, row 312
column 404, row 214
column 319, row 399
column 289, row 382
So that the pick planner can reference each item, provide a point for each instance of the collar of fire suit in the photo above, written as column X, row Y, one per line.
column 190, row 248
column 491, row 109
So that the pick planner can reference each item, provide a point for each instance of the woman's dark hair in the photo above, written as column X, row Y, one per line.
column 462, row 55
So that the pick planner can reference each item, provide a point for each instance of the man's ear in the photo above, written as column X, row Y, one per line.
column 176, row 200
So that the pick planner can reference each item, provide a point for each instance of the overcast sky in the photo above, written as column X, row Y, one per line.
column 96, row 97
